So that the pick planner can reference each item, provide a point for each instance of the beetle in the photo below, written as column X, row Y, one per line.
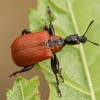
column 29, row 49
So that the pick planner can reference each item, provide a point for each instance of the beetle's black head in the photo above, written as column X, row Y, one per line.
column 76, row 39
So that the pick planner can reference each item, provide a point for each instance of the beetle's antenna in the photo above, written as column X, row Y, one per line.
column 88, row 27
column 93, row 42
column 87, row 30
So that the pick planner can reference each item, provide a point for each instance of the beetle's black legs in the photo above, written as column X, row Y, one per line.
column 54, row 60
column 50, row 29
column 23, row 70
column 25, row 31
column 56, row 69
column 45, row 27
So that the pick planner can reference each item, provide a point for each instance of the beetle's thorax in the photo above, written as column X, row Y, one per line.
column 55, row 43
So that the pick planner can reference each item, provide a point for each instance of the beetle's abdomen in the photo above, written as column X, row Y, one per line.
column 31, row 48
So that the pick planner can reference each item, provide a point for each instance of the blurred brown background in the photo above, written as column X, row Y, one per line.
column 13, row 19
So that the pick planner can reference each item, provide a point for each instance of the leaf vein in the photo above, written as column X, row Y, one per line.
column 82, row 53
column 82, row 91
column 22, row 91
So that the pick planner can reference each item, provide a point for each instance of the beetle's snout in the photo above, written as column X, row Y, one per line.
column 82, row 39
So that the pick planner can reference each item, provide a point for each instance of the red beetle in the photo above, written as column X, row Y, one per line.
column 29, row 49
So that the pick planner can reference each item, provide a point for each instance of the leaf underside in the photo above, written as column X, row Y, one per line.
column 24, row 90
column 80, row 64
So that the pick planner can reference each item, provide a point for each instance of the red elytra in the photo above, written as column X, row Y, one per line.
column 31, row 48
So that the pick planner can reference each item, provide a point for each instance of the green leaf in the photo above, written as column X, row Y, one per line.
column 24, row 90
column 80, row 64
